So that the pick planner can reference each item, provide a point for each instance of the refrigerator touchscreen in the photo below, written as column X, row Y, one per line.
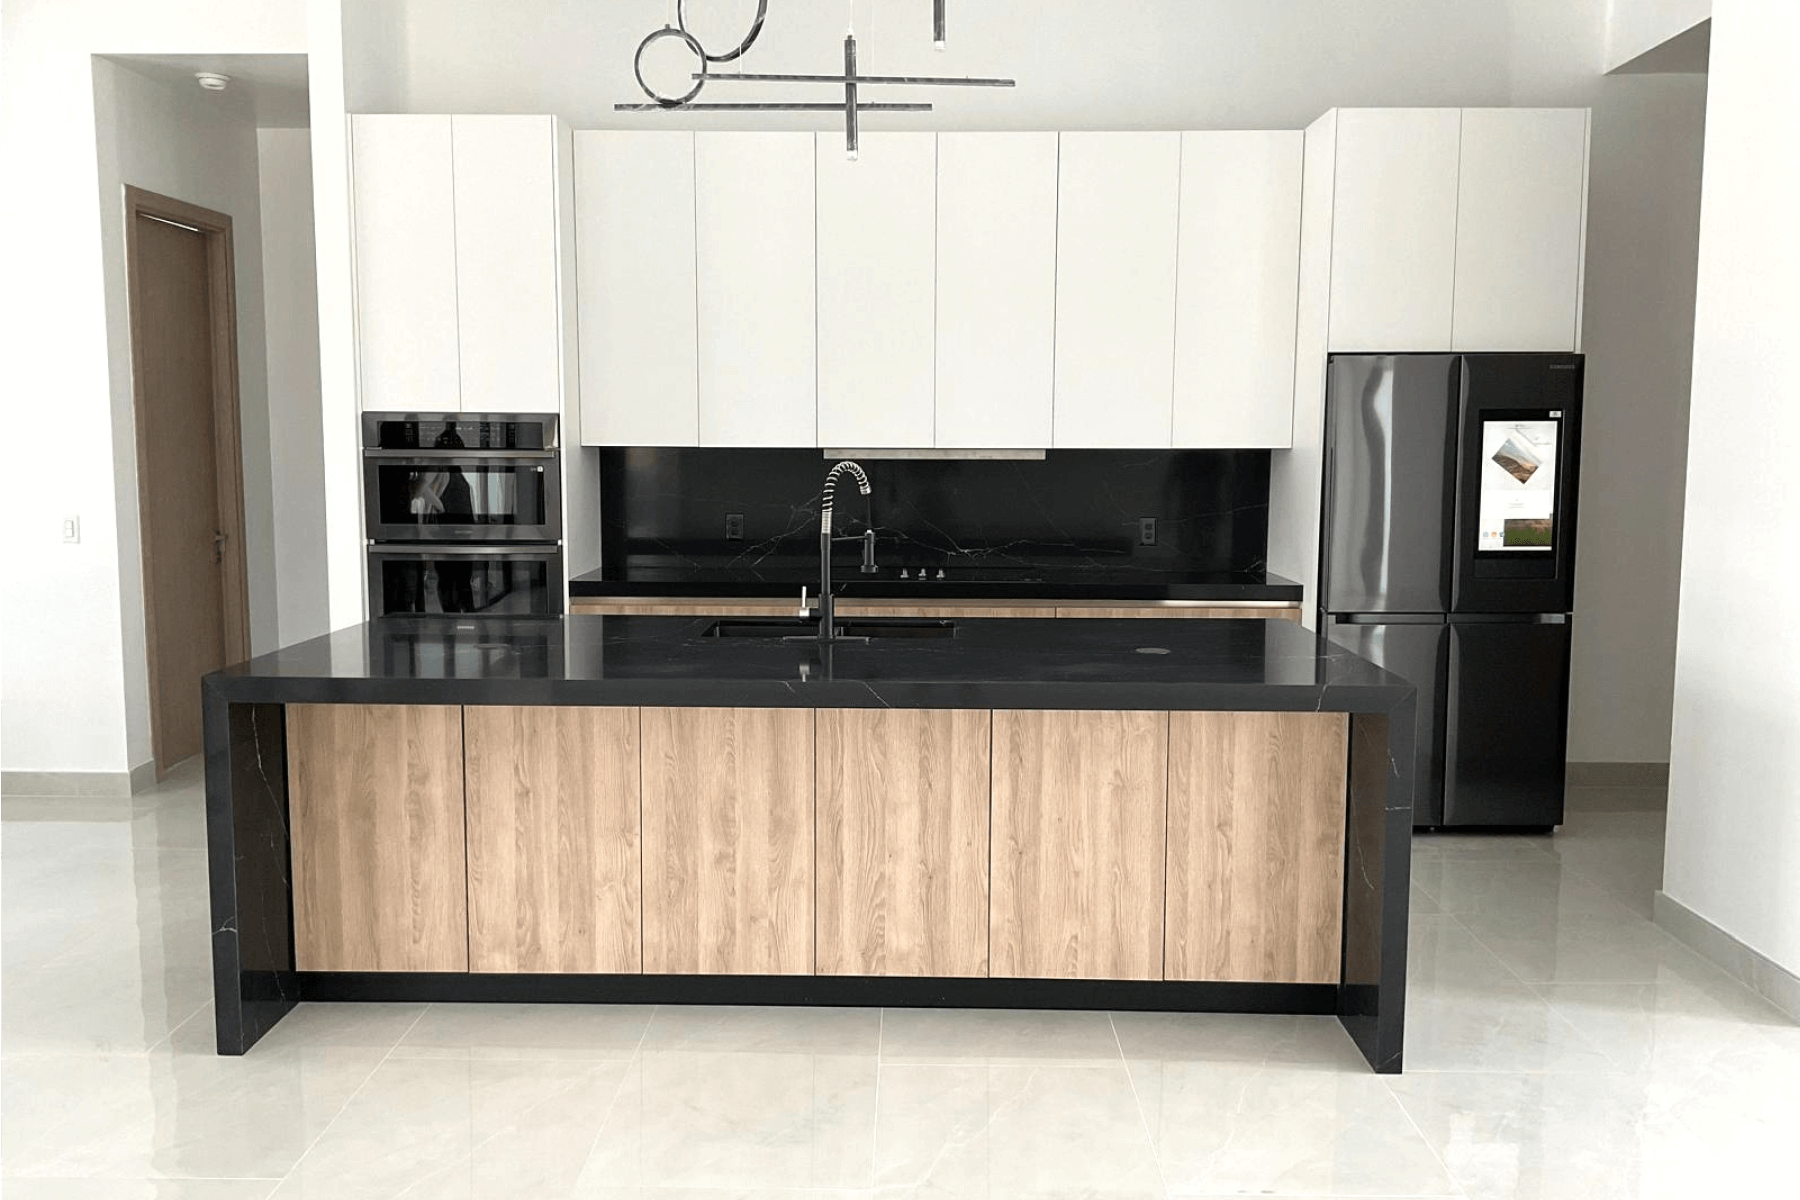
column 1518, row 486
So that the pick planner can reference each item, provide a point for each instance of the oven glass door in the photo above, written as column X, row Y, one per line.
column 469, row 499
column 493, row 582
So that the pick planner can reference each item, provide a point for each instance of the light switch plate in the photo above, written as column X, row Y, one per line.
column 71, row 529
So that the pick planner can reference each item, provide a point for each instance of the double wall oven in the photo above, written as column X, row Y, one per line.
column 463, row 513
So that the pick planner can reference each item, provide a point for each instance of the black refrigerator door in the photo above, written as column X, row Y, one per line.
column 1519, row 458
column 1506, row 722
column 1390, row 472
column 1417, row 652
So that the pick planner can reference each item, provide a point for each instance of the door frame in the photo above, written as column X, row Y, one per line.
column 228, row 454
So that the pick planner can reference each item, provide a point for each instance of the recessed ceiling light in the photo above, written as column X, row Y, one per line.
column 212, row 81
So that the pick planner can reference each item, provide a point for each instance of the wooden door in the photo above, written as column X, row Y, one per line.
column 1521, row 221
column 634, row 243
column 553, row 818
column 1079, row 829
column 728, row 841
column 404, row 215
column 190, row 473
column 996, row 289
column 1393, row 229
column 755, row 238
column 1256, row 846
column 508, row 269
column 877, row 234
column 903, row 841
column 1239, row 267
column 375, row 796
column 1118, row 209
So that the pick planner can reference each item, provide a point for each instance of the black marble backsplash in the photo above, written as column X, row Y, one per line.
column 1073, row 508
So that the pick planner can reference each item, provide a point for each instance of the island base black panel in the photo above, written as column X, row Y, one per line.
column 1377, row 884
column 836, row 991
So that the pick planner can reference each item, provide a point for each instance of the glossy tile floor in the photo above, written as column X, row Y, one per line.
column 1560, row 1046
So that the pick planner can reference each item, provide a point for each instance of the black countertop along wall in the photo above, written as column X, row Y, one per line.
column 1066, row 526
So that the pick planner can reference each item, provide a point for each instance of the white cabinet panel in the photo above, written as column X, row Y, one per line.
column 1118, row 197
column 1520, row 217
column 754, row 236
column 996, row 289
column 634, row 197
column 877, row 228
column 1237, row 287
column 506, row 263
column 405, row 243
column 1393, row 249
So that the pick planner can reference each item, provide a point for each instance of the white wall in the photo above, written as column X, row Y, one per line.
column 1634, row 26
column 64, row 610
column 291, row 311
column 1733, row 851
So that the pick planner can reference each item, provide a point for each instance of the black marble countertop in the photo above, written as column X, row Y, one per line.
column 1082, row 580
column 1233, row 665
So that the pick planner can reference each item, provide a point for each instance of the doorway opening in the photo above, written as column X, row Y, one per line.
column 184, row 367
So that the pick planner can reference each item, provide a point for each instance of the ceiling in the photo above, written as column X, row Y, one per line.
column 1686, row 53
column 276, row 82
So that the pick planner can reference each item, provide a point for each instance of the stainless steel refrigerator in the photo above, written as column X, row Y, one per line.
column 1447, row 555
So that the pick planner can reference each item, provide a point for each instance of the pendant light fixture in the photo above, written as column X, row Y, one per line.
column 851, row 81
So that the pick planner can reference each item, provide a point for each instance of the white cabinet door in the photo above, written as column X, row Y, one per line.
column 1118, row 198
column 634, row 239
column 1393, row 245
column 754, row 237
column 996, row 290
column 507, row 276
column 405, row 244
column 1237, row 288
column 1521, row 217
column 877, row 228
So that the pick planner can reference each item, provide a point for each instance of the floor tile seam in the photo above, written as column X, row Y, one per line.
column 618, row 1090
column 1480, row 941
column 1032, row 1064
column 169, row 1037
column 1137, row 1102
column 875, row 1122
column 1387, row 1086
column 351, row 1098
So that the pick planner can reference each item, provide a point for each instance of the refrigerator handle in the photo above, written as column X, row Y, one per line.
column 1452, row 689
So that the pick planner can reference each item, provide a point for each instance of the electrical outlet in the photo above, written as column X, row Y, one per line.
column 71, row 529
column 1146, row 531
column 734, row 527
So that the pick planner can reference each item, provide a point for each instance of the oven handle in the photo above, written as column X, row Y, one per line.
column 403, row 455
column 416, row 550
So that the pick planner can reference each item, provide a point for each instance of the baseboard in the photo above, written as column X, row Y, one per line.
column 1617, row 774
column 1755, row 970
column 79, row 783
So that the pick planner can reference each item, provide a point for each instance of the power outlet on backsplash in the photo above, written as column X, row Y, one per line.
column 1146, row 531
column 734, row 527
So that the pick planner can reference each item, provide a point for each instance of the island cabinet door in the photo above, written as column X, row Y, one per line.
column 728, row 841
column 1256, row 846
column 554, row 870
column 903, row 842
column 376, row 805
column 1080, row 813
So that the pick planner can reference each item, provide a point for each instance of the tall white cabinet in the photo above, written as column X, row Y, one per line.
column 462, row 225
column 877, row 269
column 1118, row 210
column 754, row 233
column 996, row 290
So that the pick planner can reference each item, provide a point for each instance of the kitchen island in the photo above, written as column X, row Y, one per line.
column 1182, row 815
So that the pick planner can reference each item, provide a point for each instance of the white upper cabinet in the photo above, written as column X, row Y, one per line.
column 1237, row 288
column 1119, row 200
column 634, row 197
column 1521, row 217
column 754, row 232
column 405, row 245
column 877, row 232
column 1393, row 240
column 509, row 313
column 996, row 289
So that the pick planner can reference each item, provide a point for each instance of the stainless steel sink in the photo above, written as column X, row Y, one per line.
column 856, row 630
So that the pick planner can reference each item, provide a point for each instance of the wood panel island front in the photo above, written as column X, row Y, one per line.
column 1182, row 815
